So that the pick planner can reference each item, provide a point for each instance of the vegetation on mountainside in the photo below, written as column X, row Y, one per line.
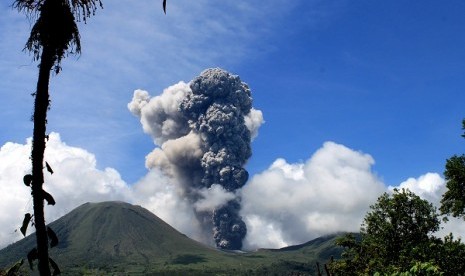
column 112, row 237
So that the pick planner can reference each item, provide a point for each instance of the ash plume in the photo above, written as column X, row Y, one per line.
column 204, row 130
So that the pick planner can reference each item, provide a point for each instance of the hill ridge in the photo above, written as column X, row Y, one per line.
column 118, row 237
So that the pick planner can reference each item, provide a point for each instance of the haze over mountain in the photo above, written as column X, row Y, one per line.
column 120, row 237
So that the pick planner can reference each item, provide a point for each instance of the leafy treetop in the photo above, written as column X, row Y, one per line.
column 396, row 234
column 453, row 200
column 55, row 28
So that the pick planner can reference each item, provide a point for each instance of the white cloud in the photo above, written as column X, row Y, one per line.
column 161, row 196
column 139, row 100
column 15, row 196
column 284, row 205
column 75, row 180
column 431, row 186
column 253, row 121
column 294, row 203
column 159, row 116
column 213, row 198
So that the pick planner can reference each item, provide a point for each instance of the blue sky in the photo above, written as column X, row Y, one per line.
column 378, row 76
column 381, row 77
column 358, row 97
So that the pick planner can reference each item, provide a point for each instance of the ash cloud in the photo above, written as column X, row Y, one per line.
column 203, row 130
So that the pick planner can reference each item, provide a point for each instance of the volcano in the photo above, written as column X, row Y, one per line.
column 117, row 237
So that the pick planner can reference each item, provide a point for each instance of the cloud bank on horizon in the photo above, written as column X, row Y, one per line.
column 288, row 203
column 285, row 204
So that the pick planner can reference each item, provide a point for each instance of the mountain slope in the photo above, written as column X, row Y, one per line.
column 98, row 234
column 112, row 237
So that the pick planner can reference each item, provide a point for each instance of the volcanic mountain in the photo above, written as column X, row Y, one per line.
column 117, row 237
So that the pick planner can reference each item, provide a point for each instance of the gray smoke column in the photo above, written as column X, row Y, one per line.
column 204, row 130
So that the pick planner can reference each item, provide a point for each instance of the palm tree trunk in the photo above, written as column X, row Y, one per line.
column 41, row 106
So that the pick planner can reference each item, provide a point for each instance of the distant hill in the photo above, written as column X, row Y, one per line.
column 117, row 237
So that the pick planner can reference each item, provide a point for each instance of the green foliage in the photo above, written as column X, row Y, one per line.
column 396, row 234
column 418, row 269
column 186, row 259
column 424, row 269
column 115, row 238
column 449, row 255
column 14, row 270
column 453, row 200
column 396, row 240
column 399, row 227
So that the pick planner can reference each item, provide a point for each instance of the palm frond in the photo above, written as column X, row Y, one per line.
column 55, row 29
column 81, row 9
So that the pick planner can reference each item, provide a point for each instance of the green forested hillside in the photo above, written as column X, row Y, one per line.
column 112, row 237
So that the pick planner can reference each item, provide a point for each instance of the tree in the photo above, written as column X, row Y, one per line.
column 450, row 254
column 53, row 35
column 396, row 234
column 453, row 200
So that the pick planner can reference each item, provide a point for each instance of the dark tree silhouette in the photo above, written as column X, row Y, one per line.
column 53, row 35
